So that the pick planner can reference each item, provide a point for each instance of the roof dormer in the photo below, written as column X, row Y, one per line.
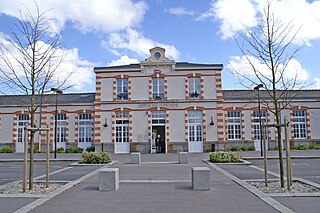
column 157, row 58
column 157, row 53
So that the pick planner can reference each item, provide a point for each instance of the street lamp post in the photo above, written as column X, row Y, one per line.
column 260, row 125
column 56, row 91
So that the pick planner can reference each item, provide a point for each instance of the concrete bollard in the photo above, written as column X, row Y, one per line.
column 135, row 158
column 201, row 178
column 109, row 179
column 183, row 157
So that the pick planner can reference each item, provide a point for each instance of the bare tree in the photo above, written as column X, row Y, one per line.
column 269, row 48
column 29, row 59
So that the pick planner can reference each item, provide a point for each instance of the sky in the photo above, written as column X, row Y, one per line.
column 100, row 33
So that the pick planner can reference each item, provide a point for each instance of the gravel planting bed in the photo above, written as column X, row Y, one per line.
column 274, row 187
column 39, row 189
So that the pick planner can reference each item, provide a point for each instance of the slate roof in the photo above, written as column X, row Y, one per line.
column 75, row 98
column 121, row 67
column 191, row 65
column 242, row 95
column 88, row 98
column 137, row 66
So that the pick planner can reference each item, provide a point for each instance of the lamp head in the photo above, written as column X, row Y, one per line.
column 258, row 86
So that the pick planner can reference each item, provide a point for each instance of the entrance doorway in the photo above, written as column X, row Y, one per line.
column 195, row 131
column 23, row 120
column 122, row 144
column 160, row 130
column 195, row 138
column 256, row 128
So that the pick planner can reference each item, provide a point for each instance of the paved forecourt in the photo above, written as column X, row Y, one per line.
column 158, row 184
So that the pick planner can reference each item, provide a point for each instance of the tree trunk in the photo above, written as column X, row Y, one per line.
column 31, row 160
column 32, row 132
column 280, row 157
column 279, row 146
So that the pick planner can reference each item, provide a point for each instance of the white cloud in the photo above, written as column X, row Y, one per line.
column 179, row 11
column 123, row 61
column 316, row 83
column 86, row 15
column 136, row 42
column 233, row 14
column 241, row 67
column 82, row 70
column 117, row 18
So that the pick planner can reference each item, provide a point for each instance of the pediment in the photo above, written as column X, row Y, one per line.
column 157, row 57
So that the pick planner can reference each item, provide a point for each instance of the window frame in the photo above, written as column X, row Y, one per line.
column 194, row 87
column 195, row 125
column 122, row 89
column 256, row 123
column 158, row 117
column 158, row 88
column 299, row 122
column 23, row 120
column 234, row 125
column 85, row 126
column 122, row 127
column 61, row 127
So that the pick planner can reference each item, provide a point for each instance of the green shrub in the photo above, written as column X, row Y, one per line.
column 235, row 149
column 6, row 149
column 317, row 147
column 302, row 147
column 77, row 150
column 251, row 148
column 96, row 157
column 60, row 150
column 90, row 149
column 225, row 157
column 71, row 149
column 68, row 149
column 243, row 149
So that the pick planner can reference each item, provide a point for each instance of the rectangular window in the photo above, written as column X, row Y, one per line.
column 234, row 125
column 122, row 89
column 256, row 123
column 85, row 127
column 194, row 88
column 61, row 127
column 23, row 120
column 157, row 88
column 299, row 124
column 122, row 127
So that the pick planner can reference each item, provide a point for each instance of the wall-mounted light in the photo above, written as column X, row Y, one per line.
column 211, row 122
column 105, row 123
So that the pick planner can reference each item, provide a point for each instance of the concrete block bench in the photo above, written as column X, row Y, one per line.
column 183, row 157
column 135, row 158
column 201, row 178
column 109, row 179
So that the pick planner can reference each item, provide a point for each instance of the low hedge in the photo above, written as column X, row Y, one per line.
column 6, row 149
column 90, row 149
column 243, row 149
column 96, row 157
column 70, row 149
column 225, row 157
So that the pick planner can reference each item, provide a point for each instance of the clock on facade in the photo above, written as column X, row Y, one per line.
column 157, row 55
